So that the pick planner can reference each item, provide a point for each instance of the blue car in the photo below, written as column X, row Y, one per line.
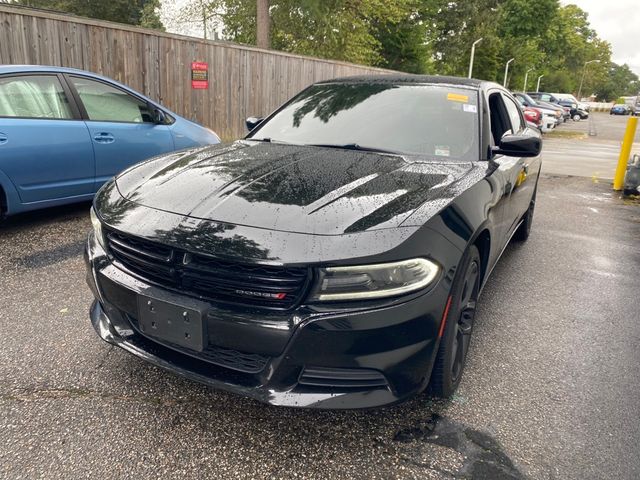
column 64, row 132
column 620, row 110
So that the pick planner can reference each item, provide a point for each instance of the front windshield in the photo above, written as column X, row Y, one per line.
column 528, row 99
column 439, row 121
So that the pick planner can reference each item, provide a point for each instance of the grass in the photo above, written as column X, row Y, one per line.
column 572, row 134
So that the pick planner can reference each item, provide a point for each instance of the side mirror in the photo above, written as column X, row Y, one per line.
column 253, row 122
column 533, row 125
column 525, row 144
column 158, row 115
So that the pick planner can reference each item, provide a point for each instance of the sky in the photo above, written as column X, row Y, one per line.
column 616, row 21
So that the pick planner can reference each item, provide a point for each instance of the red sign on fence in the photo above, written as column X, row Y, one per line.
column 199, row 75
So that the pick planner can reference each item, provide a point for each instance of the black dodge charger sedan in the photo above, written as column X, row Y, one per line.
column 334, row 257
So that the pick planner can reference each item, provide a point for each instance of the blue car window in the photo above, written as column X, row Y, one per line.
column 33, row 96
column 109, row 104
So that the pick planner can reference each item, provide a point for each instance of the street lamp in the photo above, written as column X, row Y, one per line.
column 584, row 71
column 473, row 54
column 506, row 72
column 538, row 87
column 526, row 77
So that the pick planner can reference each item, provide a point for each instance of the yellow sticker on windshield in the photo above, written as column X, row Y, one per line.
column 456, row 97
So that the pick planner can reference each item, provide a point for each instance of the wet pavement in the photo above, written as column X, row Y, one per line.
column 593, row 151
column 551, row 390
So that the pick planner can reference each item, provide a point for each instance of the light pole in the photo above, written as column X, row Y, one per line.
column 526, row 77
column 584, row 71
column 506, row 72
column 473, row 54
column 538, row 87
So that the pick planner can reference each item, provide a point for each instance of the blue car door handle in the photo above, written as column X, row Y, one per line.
column 104, row 137
column 3, row 138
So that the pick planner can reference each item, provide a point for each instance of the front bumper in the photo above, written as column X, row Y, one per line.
column 549, row 122
column 338, row 359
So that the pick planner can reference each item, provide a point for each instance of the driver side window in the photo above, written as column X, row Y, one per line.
column 515, row 117
column 109, row 104
column 500, row 122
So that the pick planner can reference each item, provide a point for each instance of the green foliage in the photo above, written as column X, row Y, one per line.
column 133, row 12
column 435, row 36
column 416, row 36
column 402, row 40
column 335, row 29
column 620, row 82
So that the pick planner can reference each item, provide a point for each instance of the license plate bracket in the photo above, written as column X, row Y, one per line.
column 171, row 323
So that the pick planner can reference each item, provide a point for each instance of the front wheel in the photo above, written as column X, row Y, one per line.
column 454, row 345
column 524, row 230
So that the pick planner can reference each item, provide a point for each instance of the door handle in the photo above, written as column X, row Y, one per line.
column 3, row 138
column 104, row 137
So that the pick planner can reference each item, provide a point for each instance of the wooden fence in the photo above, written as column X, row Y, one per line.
column 243, row 81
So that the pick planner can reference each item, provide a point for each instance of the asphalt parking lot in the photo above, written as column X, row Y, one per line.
column 551, row 390
column 593, row 150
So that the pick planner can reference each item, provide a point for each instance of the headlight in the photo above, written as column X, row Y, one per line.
column 97, row 228
column 374, row 281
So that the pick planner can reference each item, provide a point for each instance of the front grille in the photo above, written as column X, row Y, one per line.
column 208, row 278
column 342, row 378
column 241, row 361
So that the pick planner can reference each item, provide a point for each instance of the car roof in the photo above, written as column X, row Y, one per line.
column 408, row 78
column 11, row 69
column 4, row 69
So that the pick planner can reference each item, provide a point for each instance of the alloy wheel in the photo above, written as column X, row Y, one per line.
column 464, row 324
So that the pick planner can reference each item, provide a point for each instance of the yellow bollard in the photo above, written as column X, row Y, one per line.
column 625, row 153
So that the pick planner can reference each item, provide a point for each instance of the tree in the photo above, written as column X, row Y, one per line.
column 263, row 24
column 428, row 36
column 133, row 12
column 336, row 29
column 203, row 14
column 403, row 43
column 621, row 81
column 455, row 25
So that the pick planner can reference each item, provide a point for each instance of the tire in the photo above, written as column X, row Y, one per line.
column 524, row 230
column 576, row 118
column 454, row 345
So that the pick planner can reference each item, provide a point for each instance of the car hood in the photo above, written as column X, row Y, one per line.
column 293, row 188
column 548, row 111
column 548, row 105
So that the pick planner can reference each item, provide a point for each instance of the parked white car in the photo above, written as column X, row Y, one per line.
column 571, row 98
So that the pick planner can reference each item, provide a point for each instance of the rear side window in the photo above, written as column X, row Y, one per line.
column 109, row 104
column 33, row 96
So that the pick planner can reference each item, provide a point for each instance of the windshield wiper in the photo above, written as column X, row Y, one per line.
column 354, row 146
column 271, row 140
